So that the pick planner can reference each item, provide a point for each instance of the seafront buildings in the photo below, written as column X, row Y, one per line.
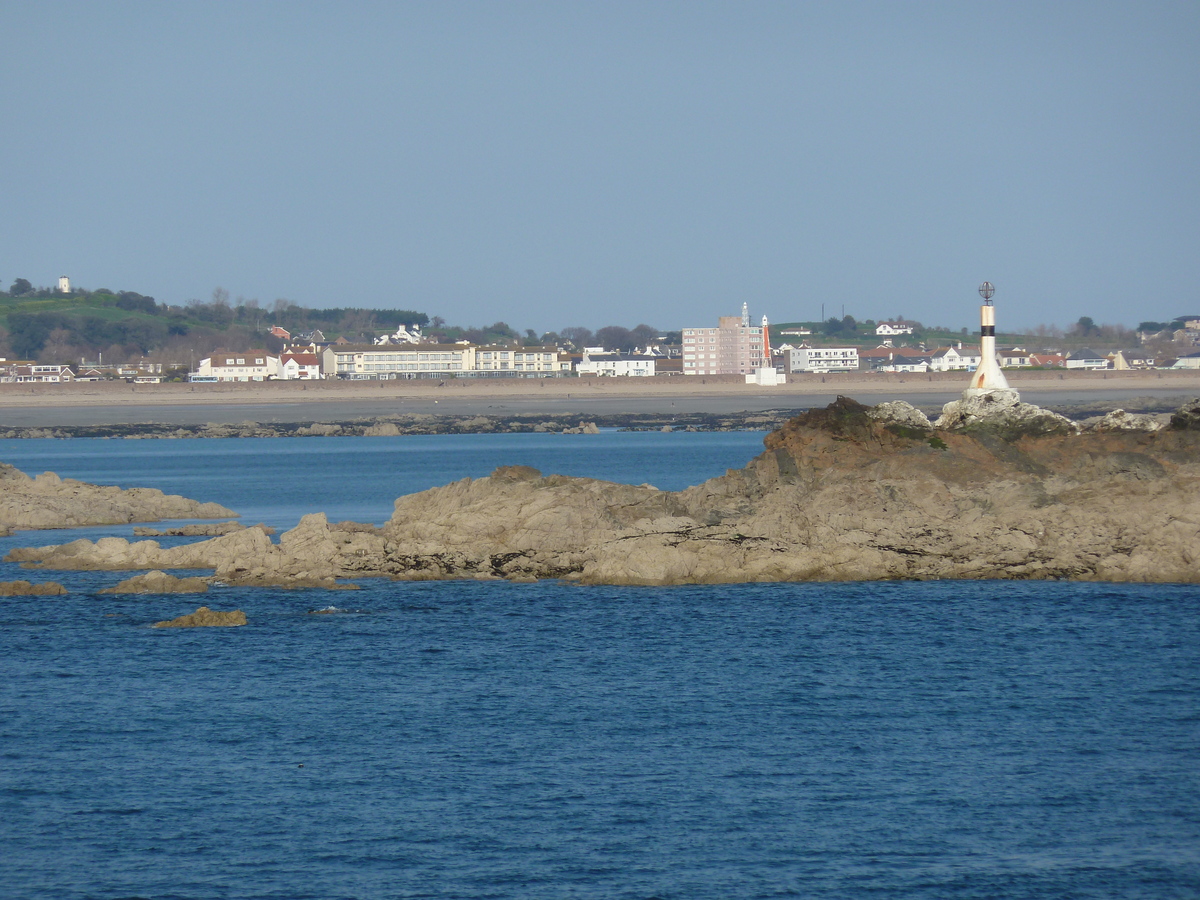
column 428, row 360
column 734, row 347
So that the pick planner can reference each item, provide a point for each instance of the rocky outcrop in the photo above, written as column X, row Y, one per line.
column 899, row 412
column 1120, row 420
column 1187, row 417
column 28, row 589
column 583, row 428
column 48, row 501
column 206, row 618
column 841, row 493
column 157, row 582
column 1003, row 413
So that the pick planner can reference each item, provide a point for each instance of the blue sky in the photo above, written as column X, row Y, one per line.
column 555, row 164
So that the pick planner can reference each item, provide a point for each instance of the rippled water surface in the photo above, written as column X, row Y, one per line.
column 489, row 740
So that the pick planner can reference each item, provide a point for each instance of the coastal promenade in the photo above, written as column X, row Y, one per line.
column 104, row 403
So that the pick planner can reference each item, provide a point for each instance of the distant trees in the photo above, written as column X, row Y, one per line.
column 136, row 302
column 1085, row 327
column 19, row 287
column 614, row 337
column 610, row 337
column 843, row 326
column 27, row 333
column 577, row 336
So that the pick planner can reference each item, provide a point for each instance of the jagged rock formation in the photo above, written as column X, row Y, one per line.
column 28, row 589
column 1003, row 411
column 1120, row 420
column 48, row 501
column 899, row 412
column 839, row 494
column 156, row 582
column 206, row 618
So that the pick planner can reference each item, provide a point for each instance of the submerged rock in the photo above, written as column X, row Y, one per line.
column 29, row 589
column 157, row 582
column 206, row 618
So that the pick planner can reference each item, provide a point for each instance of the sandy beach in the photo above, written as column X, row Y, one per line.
column 99, row 403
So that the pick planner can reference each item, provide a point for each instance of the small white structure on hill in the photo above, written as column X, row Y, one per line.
column 410, row 335
column 64, row 284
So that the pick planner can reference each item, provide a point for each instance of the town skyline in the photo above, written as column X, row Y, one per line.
column 567, row 163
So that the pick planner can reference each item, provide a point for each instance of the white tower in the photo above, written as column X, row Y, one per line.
column 988, row 376
column 64, row 284
column 745, row 315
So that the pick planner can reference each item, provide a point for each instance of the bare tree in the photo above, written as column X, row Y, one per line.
column 577, row 336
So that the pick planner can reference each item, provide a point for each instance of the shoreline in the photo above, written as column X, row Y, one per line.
column 94, row 404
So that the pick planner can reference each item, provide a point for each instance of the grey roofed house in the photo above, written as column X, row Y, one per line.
column 1132, row 359
column 1087, row 358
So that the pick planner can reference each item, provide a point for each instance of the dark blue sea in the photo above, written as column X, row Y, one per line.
column 491, row 740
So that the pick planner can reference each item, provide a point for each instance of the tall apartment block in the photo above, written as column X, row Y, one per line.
column 734, row 347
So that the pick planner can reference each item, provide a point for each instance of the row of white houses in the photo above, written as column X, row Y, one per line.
column 368, row 361
column 805, row 358
column 388, row 361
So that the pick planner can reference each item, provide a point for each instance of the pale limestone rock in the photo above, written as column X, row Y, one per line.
column 48, row 501
column 382, row 429
column 1001, row 409
column 1120, row 420
column 898, row 412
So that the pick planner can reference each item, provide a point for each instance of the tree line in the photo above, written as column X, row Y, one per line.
column 49, row 326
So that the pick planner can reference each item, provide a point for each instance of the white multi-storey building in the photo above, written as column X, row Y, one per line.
column 522, row 360
column 413, row 361
column 822, row 359
column 439, row 360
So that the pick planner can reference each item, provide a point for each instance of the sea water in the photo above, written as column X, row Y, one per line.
column 491, row 740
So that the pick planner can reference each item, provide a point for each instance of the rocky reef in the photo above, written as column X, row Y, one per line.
column 156, row 582
column 48, row 501
column 204, row 617
column 27, row 589
column 998, row 490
